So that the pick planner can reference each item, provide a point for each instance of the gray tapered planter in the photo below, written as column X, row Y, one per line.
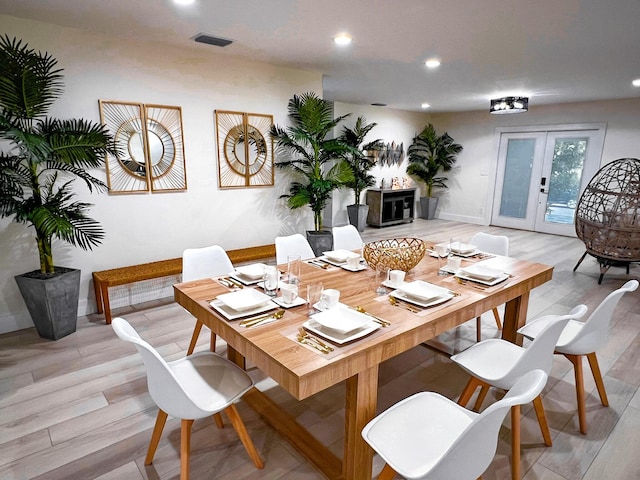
column 321, row 241
column 428, row 207
column 52, row 302
column 358, row 216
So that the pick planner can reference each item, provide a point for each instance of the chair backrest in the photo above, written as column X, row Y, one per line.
column 205, row 262
column 595, row 330
column 294, row 244
column 347, row 238
column 164, row 387
column 539, row 354
column 470, row 455
column 495, row 244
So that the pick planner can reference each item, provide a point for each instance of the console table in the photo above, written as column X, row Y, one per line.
column 390, row 206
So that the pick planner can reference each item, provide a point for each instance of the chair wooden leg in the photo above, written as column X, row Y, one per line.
column 496, row 315
column 217, row 417
column 597, row 376
column 471, row 386
column 161, row 419
column 478, row 329
column 185, row 448
column 515, row 442
column 577, row 371
column 387, row 473
column 239, row 427
column 194, row 337
column 542, row 420
column 484, row 389
column 212, row 342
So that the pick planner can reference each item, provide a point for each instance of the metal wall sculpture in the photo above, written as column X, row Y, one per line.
column 245, row 149
column 391, row 154
column 150, row 147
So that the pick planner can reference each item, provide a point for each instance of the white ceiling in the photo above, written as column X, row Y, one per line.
column 554, row 51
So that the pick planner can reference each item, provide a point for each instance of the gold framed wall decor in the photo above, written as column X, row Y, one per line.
column 245, row 149
column 150, row 147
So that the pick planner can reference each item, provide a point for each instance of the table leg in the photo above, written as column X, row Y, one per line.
column 360, row 408
column 515, row 316
column 235, row 357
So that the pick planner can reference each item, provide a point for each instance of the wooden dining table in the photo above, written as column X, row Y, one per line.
column 304, row 371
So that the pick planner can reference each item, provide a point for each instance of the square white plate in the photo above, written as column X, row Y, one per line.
column 296, row 303
column 340, row 255
column 337, row 337
column 231, row 314
column 359, row 268
column 501, row 278
column 422, row 291
column 480, row 272
column 252, row 272
column 435, row 301
column 341, row 319
column 245, row 299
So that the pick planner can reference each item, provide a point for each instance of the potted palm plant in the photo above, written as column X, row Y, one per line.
column 303, row 149
column 429, row 154
column 361, row 162
column 43, row 157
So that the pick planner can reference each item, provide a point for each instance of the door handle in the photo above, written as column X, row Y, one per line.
column 542, row 190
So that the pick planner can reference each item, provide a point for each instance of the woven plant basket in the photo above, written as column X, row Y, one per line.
column 395, row 254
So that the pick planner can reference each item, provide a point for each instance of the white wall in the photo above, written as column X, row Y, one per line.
column 471, row 182
column 148, row 227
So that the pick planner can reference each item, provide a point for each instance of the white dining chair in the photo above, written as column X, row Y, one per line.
column 496, row 245
column 499, row 363
column 190, row 388
column 580, row 339
column 346, row 237
column 206, row 262
column 294, row 244
column 428, row 436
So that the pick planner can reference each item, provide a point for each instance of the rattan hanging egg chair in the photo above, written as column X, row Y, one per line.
column 608, row 215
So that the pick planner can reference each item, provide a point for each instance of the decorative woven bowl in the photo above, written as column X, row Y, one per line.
column 395, row 253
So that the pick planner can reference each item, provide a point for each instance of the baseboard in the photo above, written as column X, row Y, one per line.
column 463, row 218
column 11, row 323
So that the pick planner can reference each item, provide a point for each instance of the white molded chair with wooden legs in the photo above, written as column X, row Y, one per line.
column 193, row 387
column 206, row 262
column 346, row 237
column 294, row 244
column 580, row 339
column 499, row 363
column 496, row 245
column 428, row 436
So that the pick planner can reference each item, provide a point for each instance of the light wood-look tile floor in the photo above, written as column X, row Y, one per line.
column 78, row 408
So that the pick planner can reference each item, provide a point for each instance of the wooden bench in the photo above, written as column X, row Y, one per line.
column 164, row 268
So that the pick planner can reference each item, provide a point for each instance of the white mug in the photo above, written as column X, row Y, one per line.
column 329, row 298
column 353, row 262
column 289, row 292
column 453, row 264
column 396, row 277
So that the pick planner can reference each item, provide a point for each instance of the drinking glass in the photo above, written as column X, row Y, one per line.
column 314, row 292
column 442, row 253
column 270, row 280
column 293, row 269
column 382, row 272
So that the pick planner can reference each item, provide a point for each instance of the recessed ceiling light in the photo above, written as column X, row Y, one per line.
column 183, row 2
column 425, row 105
column 432, row 63
column 636, row 82
column 342, row 39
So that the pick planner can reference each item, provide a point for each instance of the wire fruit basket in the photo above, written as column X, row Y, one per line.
column 395, row 253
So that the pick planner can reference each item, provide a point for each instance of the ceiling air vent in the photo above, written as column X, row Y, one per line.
column 211, row 40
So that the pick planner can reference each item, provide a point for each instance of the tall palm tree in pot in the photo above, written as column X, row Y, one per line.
column 361, row 162
column 304, row 149
column 429, row 154
column 44, row 156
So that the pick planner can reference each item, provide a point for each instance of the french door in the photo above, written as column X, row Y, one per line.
column 540, row 176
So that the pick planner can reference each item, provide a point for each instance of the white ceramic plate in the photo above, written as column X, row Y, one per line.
column 480, row 272
column 435, row 301
column 296, row 303
column 245, row 299
column 359, row 268
column 341, row 319
column 501, row 278
column 251, row 272
column 231, row 314
column 422, row 291
column 337, row 337
column 340, row 256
